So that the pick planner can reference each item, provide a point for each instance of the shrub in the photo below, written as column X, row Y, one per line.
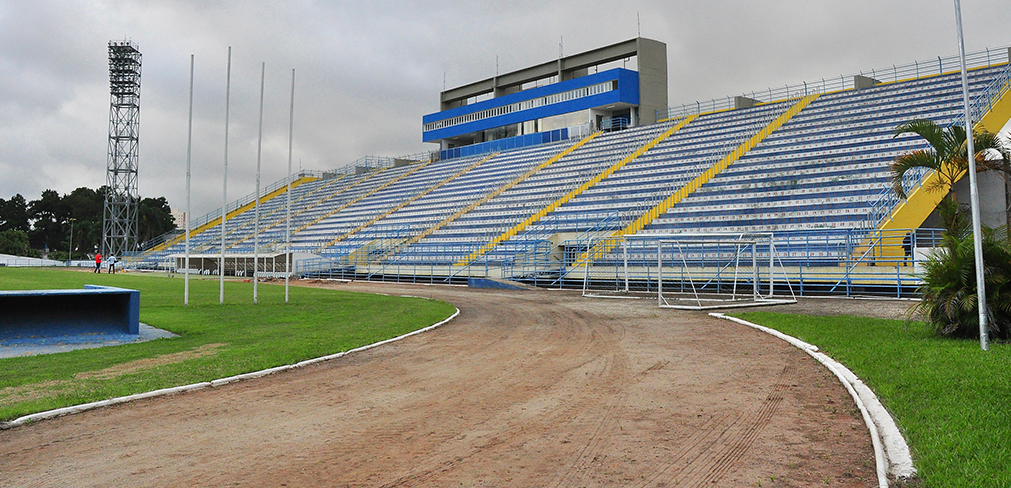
column 949, row 286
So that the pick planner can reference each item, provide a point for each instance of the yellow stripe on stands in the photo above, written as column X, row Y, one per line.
column 700, row 180
column 412, row 199
column 368, row 194
column 211, row 244
column 499, row 191
column 1000, row 112
column 331, row 197
column 248, row 237
column 576, row 192
column 232, row 214
column 304, row 209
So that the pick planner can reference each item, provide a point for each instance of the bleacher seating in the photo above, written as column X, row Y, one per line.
column 822, row 169
column 509, row 208
column 643, row 182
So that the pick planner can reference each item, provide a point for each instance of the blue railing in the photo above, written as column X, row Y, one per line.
column 515, row 142
column 614, row 123
column 846, row 262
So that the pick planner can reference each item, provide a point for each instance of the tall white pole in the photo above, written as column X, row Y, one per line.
column 224, row 182
column 70, row 252
column 256, row 217
column 287, row 219
column 189, row 213
column 624, row 255
column 973, row 190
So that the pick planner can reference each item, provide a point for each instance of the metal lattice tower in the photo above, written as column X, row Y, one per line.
column 119, row 223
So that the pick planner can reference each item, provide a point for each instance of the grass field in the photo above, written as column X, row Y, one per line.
column 215, row 340
column 951, row 400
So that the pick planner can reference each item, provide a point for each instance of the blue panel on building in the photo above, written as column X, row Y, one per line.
column 627, row 92
column 505, row 144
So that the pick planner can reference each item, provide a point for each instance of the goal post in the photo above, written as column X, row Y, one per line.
column 702, row 272
column 616, row 267
column 686, row 271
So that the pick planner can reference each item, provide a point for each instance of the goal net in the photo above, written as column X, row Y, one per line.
column 615, row 267
column 701, row 272
column 687, row 271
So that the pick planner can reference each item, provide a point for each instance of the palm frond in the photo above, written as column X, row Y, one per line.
column 925, row 128
column 921, row 158
column 954, row 148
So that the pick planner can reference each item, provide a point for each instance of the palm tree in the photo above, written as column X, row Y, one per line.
column 949, row 292
column 947, row 157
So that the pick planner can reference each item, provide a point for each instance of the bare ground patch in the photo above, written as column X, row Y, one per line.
column 35, row 391
column 140, row 364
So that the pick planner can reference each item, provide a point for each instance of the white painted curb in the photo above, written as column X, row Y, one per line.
column 214, row 383
column 890, row 449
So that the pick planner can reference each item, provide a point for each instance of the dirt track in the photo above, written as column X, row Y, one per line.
column 523, row 389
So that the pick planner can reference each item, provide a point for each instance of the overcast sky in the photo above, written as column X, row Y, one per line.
column 366, row 71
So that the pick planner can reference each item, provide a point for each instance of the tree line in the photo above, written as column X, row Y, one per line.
column 27, row 228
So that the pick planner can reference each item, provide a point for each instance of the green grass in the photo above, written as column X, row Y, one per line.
column 951, row 400
column 215, row 341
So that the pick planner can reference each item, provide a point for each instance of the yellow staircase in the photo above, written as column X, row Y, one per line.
column 499, row 191
column 920, row 203
column 655, row 212
column 576, row 192
column 410, row 200
column 230, row 215
column 914, row 210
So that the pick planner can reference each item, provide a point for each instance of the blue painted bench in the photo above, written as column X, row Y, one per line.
column 95, row 310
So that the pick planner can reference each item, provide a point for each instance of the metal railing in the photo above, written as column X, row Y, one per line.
column 913, row 71
column 850, row 262
column 835, row 262
column 575, row 132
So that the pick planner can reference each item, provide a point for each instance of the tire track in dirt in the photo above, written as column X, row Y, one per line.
column 614, row 382
column 691, row 449
column 585, row 343
column 716, row 445
column 728, row 459
column 721, row 455
column 602, row 430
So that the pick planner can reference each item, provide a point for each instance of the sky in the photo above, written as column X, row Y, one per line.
column 366, row 72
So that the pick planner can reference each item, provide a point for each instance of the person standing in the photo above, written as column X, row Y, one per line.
column 112, row 264
column 98, row 262
column 907, row 249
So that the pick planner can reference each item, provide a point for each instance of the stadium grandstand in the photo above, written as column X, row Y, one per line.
column 571, row 171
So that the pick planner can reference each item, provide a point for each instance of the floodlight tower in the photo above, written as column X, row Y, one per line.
column 119, row 222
